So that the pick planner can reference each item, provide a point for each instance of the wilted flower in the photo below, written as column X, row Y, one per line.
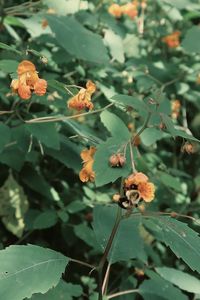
column 87, row 173
column 175, row 107
column 172, row 40
column 28, row 81
column 189, row 148
column 83, row 99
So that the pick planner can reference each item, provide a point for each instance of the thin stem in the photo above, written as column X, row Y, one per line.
column 107, row 250
column 143, row 127
column 106, row 278
column 57, row 119
column 132, row 159
column 122, row 293
column 82, row 263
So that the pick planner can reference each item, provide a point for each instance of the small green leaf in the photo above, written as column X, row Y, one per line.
column 115, row 125
column 183, row 280
column 45, row 220
column 9, row 48
column 151, row 135
column 170, row 181
column 28, row 270
column 86, row 234
column 191, row 42
column 5, row 134
column 114, row 42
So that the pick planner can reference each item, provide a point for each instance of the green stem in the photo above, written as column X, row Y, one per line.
column 106, row 252
column 143, row 128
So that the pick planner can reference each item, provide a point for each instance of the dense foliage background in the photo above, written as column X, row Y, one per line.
column 148, row 89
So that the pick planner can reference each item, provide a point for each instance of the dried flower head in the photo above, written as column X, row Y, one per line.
column 87, row 174
column 83, row 99
column 28, row 81
column 189, row 148
column 117, row 160
column 172, row 40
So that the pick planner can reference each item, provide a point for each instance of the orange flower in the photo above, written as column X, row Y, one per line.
column 135, row 179
column 115, row 10
column 87, row 174
column 83, row 99
column 28, row 81
column 172, row 40
column 130, row 9
column 175, row 107
column 146, row 191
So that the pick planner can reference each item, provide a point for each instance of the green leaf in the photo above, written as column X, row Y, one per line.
column 114, row 42
column 191, row 42
column 185, row 135
column 63, row 291
column 13, row 206
column 170, row 181
column 159, row 287
column 77, row 40
column 8, row 65
column 127, row 243
column 104, row 173
column 181, row 239
column 46, row 133
column 28, row 270
column 169, row 124
column 115, row 125
column 86, row 234
column 183, row 280
column 9, row 48
column 45, row 220
column 69, row 154
column 151, row 135
column 13, row 157
column 5, row 134
column 132, row 101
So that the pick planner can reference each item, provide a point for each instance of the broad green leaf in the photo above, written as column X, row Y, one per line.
column 151, row 135
column 115, row 125
column 28, row 270
column 77, row 40
column 13, row 157
column 185, row 135
column 5, row 134
column 8, row 65
column 63, row 291
column 45, row 220
column 181, row 239
column 9, row 48
column 170, row 181
column 114, row 42
column 34, row 25
column 183, row 280
column 46, row 133
column 169, row 124
column 158, row 287
column 104, row 173
column 127, row 243
column 132, row 101
column 13, row 206
column 69, row 154
column 131, row 45
column 191, row 42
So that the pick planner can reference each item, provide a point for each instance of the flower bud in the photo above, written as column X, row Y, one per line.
column 117, row 160
column 116, row 197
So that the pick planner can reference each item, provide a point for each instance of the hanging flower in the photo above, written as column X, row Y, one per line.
column 130, row 9
column 83, row 99
column 146, row 191
column 115, row 10
column 87, row 173
column 135, row 179
column 28, row 81
column 172, row 40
